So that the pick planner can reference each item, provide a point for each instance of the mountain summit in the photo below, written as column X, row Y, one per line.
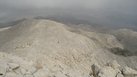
column 45, row 48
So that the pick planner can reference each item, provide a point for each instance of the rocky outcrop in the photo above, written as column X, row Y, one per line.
column 13, row 66
column 112, row 69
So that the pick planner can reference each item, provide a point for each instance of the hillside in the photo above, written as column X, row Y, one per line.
column 128, row 38
column 45, row 48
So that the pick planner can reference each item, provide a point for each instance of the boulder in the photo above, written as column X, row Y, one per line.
column 107, row 72
column 119, row 75
column 127, row 71
column 95, row 69
column 114, row 64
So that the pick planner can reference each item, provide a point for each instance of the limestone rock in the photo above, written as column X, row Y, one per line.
column 95, row 69
column 3, row 68
column 28, row 71
column 45, row 48
column 119, row 75
column 107, row 72
column 28, row 76
column 23, row 71
column 114, row 64
column 13, row 74
column 13, row 66
column 129, row 71
column 61, row 75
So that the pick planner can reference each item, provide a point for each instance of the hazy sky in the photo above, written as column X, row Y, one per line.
column 97, row 11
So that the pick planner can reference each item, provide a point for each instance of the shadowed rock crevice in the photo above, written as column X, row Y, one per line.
column 122, row 52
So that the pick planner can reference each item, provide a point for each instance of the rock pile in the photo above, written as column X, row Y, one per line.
column 112, row 69
column 13, row 66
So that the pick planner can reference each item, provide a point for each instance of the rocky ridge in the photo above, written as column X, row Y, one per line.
column 45, row 48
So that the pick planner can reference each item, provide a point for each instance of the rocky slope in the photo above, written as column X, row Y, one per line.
column 128, row 38
column 45, row 48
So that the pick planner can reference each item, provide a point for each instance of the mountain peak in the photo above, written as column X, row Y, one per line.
column 52, row 48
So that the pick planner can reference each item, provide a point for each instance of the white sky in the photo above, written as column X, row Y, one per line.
column 100, row 8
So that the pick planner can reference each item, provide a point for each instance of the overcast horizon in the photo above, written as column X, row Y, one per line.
column 107, row 12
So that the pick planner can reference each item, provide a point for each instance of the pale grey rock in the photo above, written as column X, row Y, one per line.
column 13, row 66
column 95, row 69
column 114, row 64
column 3, row 68
column 105, row 40
column 31, row 70
column 23, row 71
column 59, row 74
column 57, row 49
column 91, row 76
column 42, row 73
column 28, row 76
column 129, row 71
column 13, row 74
column 107, row 72
column 119, row 75
column 88, row 76
column 28, row 71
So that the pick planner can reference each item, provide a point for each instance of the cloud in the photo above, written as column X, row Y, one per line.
column 51, row 3
column 98, row 11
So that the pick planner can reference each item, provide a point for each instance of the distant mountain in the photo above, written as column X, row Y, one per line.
column 12, row 23
column 64, row 19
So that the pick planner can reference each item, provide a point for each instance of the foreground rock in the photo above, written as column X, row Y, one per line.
column 110, row 71
column 129, row 72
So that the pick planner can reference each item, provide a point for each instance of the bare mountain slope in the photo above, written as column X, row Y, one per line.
column 128, row 38
column 52, row 49
column 49, row 43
